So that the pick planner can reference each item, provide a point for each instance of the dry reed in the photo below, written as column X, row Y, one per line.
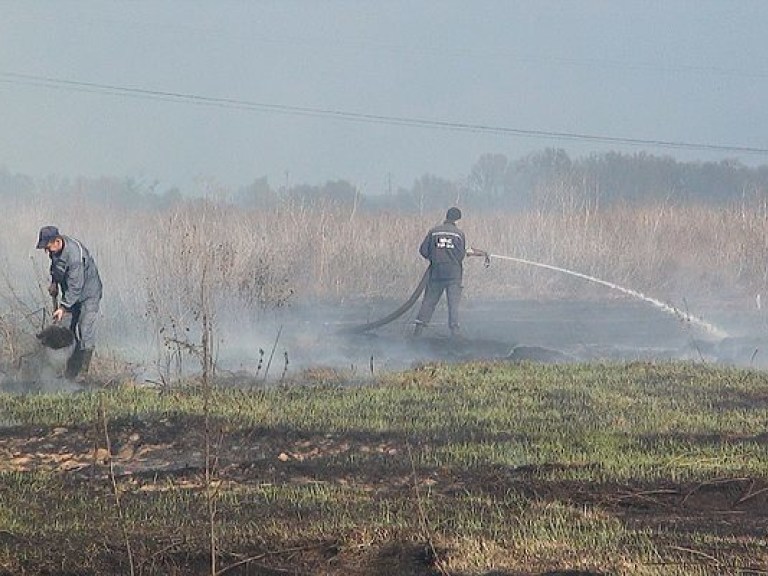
column 265, row 258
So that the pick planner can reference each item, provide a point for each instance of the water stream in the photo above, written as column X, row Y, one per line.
column 680, row 314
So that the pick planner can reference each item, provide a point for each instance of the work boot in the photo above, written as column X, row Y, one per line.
column 74, row 363
column 82, row 377
column 418, row 329
column 86, row 363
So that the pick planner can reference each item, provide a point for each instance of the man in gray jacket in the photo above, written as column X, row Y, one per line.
column 445, row 246
column 75, row 276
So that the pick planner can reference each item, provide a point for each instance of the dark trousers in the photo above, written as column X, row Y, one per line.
column 432, row 294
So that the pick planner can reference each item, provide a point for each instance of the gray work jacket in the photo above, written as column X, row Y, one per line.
column 445, row 247
column 75, row 271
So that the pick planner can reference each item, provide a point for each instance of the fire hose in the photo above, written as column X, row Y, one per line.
column 415, row 295
column 394, row 315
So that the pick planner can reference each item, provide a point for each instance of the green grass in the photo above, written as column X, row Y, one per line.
column 500, row 466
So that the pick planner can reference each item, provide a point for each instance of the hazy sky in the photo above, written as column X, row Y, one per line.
column 213, row 89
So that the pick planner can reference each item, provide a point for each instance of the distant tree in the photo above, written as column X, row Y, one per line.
column 335, row 193
column 488, row 177
column 548, row 163
column 169, row 198
column 15, row 184
column 716, row 182
column 340, row 192
column 535, row 175
column 257, row 194
column 634, row 178
column 642, row 177
column 431, row 193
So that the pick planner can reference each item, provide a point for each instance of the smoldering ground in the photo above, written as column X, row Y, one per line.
column 279, row 346
column 632, row 326
column 568, row 331
column 42, row 360
column 555, row 331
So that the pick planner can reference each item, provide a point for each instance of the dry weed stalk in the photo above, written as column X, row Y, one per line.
column 103, row 420
column 20, row 320
column 206, row 359
column 423, row 519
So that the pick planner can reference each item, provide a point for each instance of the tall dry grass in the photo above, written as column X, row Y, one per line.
column 260, row 259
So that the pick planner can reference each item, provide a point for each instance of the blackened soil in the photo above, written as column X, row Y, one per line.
column 160, row 454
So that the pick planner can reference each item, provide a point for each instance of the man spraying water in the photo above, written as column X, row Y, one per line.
column 445, row 246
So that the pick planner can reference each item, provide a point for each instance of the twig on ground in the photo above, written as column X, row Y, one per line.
column 263, row 555
column 272, row 353
column 716, row 482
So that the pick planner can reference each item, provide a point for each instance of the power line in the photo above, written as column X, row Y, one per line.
column 124, row 91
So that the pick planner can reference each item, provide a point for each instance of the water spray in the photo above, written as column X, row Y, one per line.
column 680, row 314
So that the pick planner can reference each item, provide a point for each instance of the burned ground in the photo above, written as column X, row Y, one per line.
column 152, row 455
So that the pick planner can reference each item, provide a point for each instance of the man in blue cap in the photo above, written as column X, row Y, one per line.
column 75, row 276
column 445, row 246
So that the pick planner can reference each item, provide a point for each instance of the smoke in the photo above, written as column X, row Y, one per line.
column 41, row 368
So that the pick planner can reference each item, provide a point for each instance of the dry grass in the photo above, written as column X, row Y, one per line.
column 336, row 253
column 260, row 259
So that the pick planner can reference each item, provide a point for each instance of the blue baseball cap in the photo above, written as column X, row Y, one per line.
column 47, row 233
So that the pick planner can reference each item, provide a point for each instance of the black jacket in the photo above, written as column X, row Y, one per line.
column 445, row 247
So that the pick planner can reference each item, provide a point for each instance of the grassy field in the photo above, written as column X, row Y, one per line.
column 465, row 470
column 472, row 469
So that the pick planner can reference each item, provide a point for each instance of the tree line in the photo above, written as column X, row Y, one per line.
column 544, row 180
